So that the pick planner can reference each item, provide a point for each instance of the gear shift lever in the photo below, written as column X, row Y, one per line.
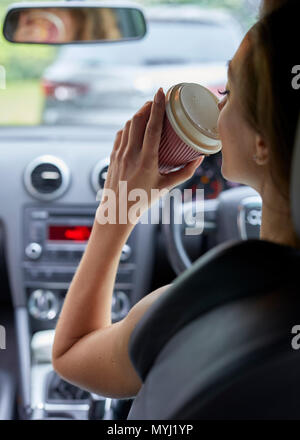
column 99, row 407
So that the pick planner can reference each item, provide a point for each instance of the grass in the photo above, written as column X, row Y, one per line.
column 21, row 103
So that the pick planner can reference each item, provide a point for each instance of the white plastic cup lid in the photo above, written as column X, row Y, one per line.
column 193, row 113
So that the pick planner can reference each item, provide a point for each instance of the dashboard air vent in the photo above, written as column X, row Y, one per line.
column 47, row 178
column 99, row 174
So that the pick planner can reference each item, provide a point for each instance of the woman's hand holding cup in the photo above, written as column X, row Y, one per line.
column 135, row 157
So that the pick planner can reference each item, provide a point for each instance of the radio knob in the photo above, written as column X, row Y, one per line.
column 120, row 305
column 126, row 253
column 43, row 305
column 33, row 251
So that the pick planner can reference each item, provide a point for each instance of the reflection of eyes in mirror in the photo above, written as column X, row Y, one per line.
column 66, row 25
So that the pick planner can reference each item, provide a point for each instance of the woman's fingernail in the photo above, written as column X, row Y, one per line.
column 159, row 96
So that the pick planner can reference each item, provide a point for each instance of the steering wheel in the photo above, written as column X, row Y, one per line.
column 234, row 215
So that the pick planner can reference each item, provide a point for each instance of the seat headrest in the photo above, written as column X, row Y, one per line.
column 295, row 183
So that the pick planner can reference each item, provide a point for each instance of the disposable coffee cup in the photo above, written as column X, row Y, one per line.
column 190, row 126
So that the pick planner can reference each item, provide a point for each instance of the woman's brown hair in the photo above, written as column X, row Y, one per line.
column 268, row 6
column 269, row 102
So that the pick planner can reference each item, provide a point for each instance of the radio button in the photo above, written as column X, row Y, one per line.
column 50, row 255
column 43, row 305
column 120, row 305
column 41, row 215
column 36, row 232
column 33, row 251
column 31, row 274
column 62, row 255
column 77, row 255
column 126, row 253
column 124, row 276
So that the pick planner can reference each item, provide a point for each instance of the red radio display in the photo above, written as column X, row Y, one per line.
column 69, row 233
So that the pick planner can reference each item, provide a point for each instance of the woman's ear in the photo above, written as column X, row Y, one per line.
column 261, row 156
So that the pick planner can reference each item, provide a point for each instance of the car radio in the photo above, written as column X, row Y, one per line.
column 54, row 241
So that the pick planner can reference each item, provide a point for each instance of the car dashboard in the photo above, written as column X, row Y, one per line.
column 50, row 181
column 209, row 178
column 49, row 194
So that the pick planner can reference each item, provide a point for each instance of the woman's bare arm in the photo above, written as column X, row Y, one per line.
column 100, row 361
column 88, row 349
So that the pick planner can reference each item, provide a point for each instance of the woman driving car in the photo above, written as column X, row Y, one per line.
column 257, row 126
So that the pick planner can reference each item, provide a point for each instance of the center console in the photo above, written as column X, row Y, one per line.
column 48, row 202
column 54, row 242
column 55, row 238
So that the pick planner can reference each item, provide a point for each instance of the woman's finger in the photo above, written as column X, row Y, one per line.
column 117, row 142
column 124, row 140
column 138, row 127
column 153, row 130
column 171, row 180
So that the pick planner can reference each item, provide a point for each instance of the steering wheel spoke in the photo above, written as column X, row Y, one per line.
column 234, row 215
column 205, row 220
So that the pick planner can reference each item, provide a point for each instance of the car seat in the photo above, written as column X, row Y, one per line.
column 221, row 343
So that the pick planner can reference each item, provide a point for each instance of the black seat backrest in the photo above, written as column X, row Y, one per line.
column 214, row 345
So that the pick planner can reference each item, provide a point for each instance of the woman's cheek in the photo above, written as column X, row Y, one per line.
column 223, row 117
column 226, row 130
column 222, row 137
column 222, row 126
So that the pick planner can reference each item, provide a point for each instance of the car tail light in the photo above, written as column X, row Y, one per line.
column 63, row 91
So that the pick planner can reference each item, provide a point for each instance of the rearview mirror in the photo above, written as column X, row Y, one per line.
column 71, row 22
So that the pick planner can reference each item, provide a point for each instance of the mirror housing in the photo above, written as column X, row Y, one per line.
column 73, row 22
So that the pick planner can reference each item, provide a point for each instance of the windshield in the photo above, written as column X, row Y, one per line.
column 104, row 84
